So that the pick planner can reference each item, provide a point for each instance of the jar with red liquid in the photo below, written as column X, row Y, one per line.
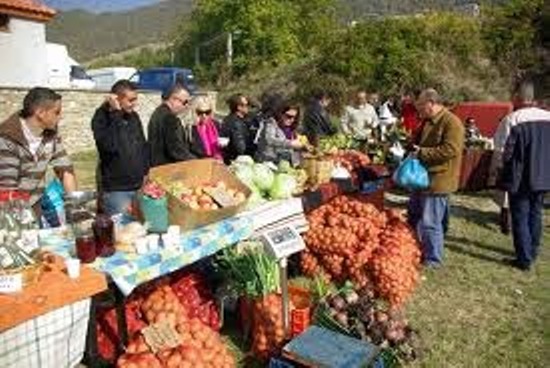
column 85, row 247
column 103, row 228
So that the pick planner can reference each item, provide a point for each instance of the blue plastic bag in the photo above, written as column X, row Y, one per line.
column 412, row 175
column 52, row 204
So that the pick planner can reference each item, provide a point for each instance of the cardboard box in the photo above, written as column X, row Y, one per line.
column 193, row 174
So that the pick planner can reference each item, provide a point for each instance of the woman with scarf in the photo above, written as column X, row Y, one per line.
column 279, row 139
column 205, row 138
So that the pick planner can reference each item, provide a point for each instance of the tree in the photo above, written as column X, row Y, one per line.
column 268, row 32
column 513, row 35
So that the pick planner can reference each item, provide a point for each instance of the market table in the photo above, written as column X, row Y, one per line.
column 46, row 324
column 474, row 171
column 129, row 270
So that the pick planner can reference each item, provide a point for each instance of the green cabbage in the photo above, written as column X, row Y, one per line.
column 284, row 166
column 283, row 186
column 263, row 177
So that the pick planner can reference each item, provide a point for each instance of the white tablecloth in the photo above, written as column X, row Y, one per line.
column 53, row 340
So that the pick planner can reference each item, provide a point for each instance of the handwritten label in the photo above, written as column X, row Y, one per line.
column 11, row 283
column 161, row 336
column 220, row 196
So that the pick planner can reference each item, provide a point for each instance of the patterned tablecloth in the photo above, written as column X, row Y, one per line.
column 130, row 270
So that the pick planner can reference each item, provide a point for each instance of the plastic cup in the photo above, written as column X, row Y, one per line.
column 223, row 141
column 73, row 267
column 142, row 245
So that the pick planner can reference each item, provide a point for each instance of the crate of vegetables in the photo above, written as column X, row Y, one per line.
column 200, row 192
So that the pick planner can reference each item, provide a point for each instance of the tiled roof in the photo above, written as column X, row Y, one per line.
column 30, row 9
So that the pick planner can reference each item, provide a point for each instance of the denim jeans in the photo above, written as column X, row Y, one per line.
column 526, row 211
column 428, row 214
column 115, row 203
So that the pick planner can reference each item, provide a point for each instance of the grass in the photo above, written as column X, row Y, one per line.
column 85, row 167
column 475, row 311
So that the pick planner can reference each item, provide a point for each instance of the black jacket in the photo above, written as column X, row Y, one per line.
column 240, row 141
column 167, row 138
column 317, row 123
column 526, row 158
column 123, row 150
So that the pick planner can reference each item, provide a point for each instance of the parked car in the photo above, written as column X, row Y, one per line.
column 64, row 71
column 104, row 78
column 161, row 79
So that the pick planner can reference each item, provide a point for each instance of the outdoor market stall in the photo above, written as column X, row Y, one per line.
column 45, row 325
column 165, row 311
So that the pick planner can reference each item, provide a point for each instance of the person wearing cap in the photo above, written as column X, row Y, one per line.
column 30, row 145
column 165, row 131
column 439, row 148
column 204, row 137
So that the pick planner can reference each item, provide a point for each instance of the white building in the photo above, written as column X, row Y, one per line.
column 23, row 42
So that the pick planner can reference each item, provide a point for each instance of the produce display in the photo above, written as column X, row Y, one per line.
column 337, row 142
column 267, row 180
column 351, row 160
column 351, row 240
column 255, row 276
column 199, row 198
column 359, row 314
column 176, row 299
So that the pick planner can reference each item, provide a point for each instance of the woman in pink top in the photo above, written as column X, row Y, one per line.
column 206, row 141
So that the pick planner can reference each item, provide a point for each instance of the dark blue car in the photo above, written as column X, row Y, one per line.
column 161, row 79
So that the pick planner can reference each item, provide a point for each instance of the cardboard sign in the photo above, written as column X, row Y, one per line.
column 220, row 196
column 11, row 283
column 161, row 336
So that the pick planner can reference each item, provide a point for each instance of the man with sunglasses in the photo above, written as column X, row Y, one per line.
column 123, row 150
column 165, row 130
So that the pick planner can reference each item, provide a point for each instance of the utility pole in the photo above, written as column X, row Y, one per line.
column 229, row 49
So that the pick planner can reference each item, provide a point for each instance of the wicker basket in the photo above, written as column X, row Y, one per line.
column 318, row 169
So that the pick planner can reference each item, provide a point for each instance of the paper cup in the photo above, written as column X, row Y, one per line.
column 142, row 245
column 73, row 267
column 174, row 230
column 223, row 142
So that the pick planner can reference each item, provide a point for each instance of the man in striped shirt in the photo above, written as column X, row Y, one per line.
column 30, row 145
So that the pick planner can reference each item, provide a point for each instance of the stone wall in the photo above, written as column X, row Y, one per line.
column 78, row 109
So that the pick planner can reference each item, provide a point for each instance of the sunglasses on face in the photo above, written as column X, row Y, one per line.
column 182, row 101
column 205, row 112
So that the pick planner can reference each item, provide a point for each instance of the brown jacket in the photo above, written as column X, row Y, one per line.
column 19, row 169
column 441, row 144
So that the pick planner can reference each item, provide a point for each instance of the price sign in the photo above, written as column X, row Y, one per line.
column 161, row 336
column 11, row 283
column 283, row 242
column 220, row 196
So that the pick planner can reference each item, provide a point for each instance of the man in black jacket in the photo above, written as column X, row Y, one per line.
column 236, row 129
column 165, row 131
column 317, row 120
column 123, row 150
column 526, row 176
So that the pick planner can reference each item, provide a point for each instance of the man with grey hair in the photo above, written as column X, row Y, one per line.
column 439, row 147
column 165, row 131
column 523, row 95
column 520, row 162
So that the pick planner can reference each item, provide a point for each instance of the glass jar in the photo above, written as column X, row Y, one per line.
column 103, row 228
column 86, row 247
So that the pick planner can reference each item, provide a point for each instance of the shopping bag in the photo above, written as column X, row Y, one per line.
column 155, row 212
column 52, row 205
column 411, row 175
